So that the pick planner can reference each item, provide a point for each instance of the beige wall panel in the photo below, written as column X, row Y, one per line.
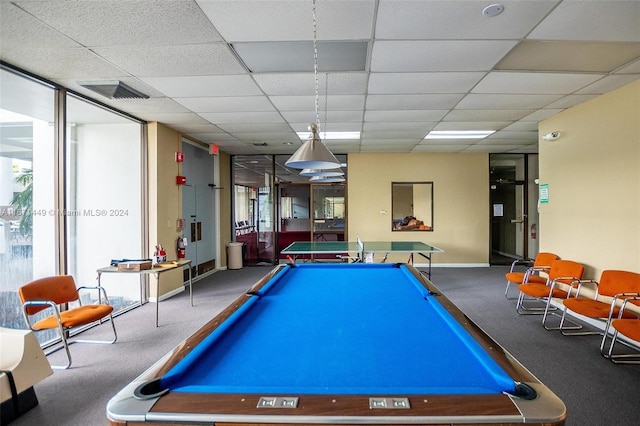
column 225, row 206
column 593, row 173
column 165, row 203
column 461, row 202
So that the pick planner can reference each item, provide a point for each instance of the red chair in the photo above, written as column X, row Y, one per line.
column 564, row 277
column 542, row 263
column 51, row 292
column 628, row 328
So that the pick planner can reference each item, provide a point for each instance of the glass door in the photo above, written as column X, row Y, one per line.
column 509, row 219
column 328, row 212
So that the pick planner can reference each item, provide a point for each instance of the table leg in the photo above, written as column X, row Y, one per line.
column 157, row 296
column 429, row 259
column 190, row 286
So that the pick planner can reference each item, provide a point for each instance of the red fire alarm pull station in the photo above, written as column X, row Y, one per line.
column 179, row 157
column 181, row 180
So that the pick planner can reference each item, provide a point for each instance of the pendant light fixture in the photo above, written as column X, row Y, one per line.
column 313, row 154
column 321, row 172
column 327, row 179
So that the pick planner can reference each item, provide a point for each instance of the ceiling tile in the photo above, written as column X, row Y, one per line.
column 72, row 63
column 568, row 56
column 288, row 84
column 110, row 23
column 290, row 20
column 487, row 114
column 428, row 82
column 506, row 101
column 241, row 117
column 533, row 83
column 227, row 104
column 446, row 55
column 335, row 102
column 591, row 20
column 186, row 60
column 21, row 30
column 471, row 125
column 400, row 116
column 376, row 126
column 332, row 116
column 211, row 85
column 255, row 127
column 433, row 19
column 607, row 84
column 412, row 102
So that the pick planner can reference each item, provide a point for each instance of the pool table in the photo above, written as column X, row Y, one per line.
column 338, row 344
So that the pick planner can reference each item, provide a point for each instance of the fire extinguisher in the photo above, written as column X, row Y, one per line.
column 180, row 249
column 534, row 231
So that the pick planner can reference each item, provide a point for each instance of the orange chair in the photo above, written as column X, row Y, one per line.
column 542, row 263
column 51, row 292
column 629, row 328
column 564, row 276
column 611, row 289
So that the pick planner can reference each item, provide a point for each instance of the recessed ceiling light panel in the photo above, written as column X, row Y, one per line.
column 459, row 134
column 331, row 135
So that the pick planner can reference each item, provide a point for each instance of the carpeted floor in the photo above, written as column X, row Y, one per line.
column 595, row 391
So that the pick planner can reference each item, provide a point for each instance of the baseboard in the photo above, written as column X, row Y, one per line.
column 184, row 287
column 452, row 265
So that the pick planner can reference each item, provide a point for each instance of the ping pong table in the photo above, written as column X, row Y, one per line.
column 299, row 248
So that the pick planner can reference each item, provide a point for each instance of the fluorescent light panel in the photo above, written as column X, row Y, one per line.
column 331, row 135
column 459, row 134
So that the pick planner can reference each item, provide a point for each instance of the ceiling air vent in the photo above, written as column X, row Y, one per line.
column 113, row 89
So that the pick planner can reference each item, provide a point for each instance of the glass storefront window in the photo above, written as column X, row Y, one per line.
column 104, row 215
column 27, row 170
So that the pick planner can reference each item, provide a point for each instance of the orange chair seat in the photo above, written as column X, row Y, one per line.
column 594, row 308
column 75, row 317
column 628, row 327
column 518, row 277
column 541, row 290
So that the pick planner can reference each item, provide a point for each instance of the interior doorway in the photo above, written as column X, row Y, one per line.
column 198, row 209
column 513, row 204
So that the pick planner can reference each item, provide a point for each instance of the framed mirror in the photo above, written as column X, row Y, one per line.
column 412, row 206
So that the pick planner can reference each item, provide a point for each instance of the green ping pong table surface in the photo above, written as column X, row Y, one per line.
column 298, row 248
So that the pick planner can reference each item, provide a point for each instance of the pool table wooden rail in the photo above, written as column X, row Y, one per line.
column 241, row 409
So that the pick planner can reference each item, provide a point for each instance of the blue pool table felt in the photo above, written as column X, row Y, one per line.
column 359, row 329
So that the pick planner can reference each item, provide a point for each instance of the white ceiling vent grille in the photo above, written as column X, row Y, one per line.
column 113, row 89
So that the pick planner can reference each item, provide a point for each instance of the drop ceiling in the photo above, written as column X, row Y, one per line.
column 239, row 74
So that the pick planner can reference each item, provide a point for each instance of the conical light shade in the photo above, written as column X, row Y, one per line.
column 321, row 172
column 313, row 154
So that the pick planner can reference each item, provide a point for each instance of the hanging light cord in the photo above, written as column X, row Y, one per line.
column 315, row 62
column 326, row 101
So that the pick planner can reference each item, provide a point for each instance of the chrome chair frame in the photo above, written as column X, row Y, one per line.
column 62, row 330
column 619, row 358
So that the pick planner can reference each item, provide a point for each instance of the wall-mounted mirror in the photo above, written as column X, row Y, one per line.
column 412, row 206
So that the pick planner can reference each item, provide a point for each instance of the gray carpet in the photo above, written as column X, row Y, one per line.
column 595, row 391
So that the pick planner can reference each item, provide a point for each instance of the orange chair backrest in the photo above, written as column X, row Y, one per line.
column 613, row 282
column 566, row 268
column 58, row 289
column 545, row 259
